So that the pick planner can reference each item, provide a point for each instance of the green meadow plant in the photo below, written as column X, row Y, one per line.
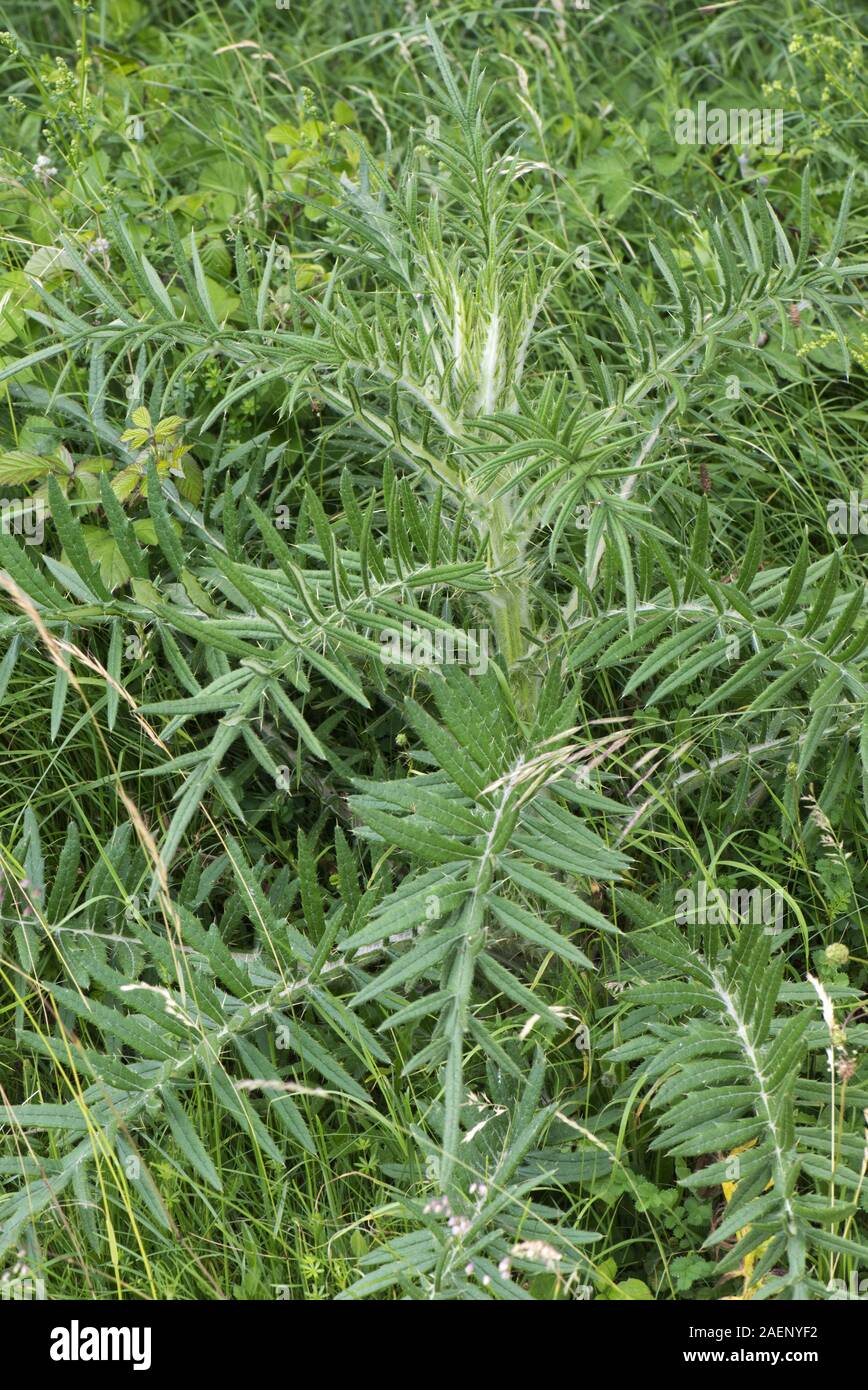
column 311, row 902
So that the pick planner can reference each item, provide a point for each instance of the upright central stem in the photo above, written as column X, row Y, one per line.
column 510, row 603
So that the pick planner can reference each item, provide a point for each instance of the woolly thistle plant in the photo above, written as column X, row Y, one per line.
column 486, row 879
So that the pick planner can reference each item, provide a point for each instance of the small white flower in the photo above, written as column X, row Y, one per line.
column 100, row 246
column 538, row 1250
column 438, row 1206
column 44, row 169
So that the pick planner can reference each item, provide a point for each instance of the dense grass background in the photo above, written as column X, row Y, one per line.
column 240, row 119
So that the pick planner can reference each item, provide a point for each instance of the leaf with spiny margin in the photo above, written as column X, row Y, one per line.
column 122, row 531
column 557, row 895
column 268, row 925
column 415, row 838
column 427, row 951
column 408, row 906
column 670, row 650
column 753, row 554
column 707, row 657
column 314, row 1055
column 69, row 531
column 280, row 1103
column 449, row 754
column 504, row 981
column 188, row 1140
column 236, row 1104
column 526, row 925
column 165, row 532
column 745, row 675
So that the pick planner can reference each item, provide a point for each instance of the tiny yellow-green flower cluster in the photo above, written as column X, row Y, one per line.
column 825, row 50
column 777, row 88
column 817, row 344
column 859, row 353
